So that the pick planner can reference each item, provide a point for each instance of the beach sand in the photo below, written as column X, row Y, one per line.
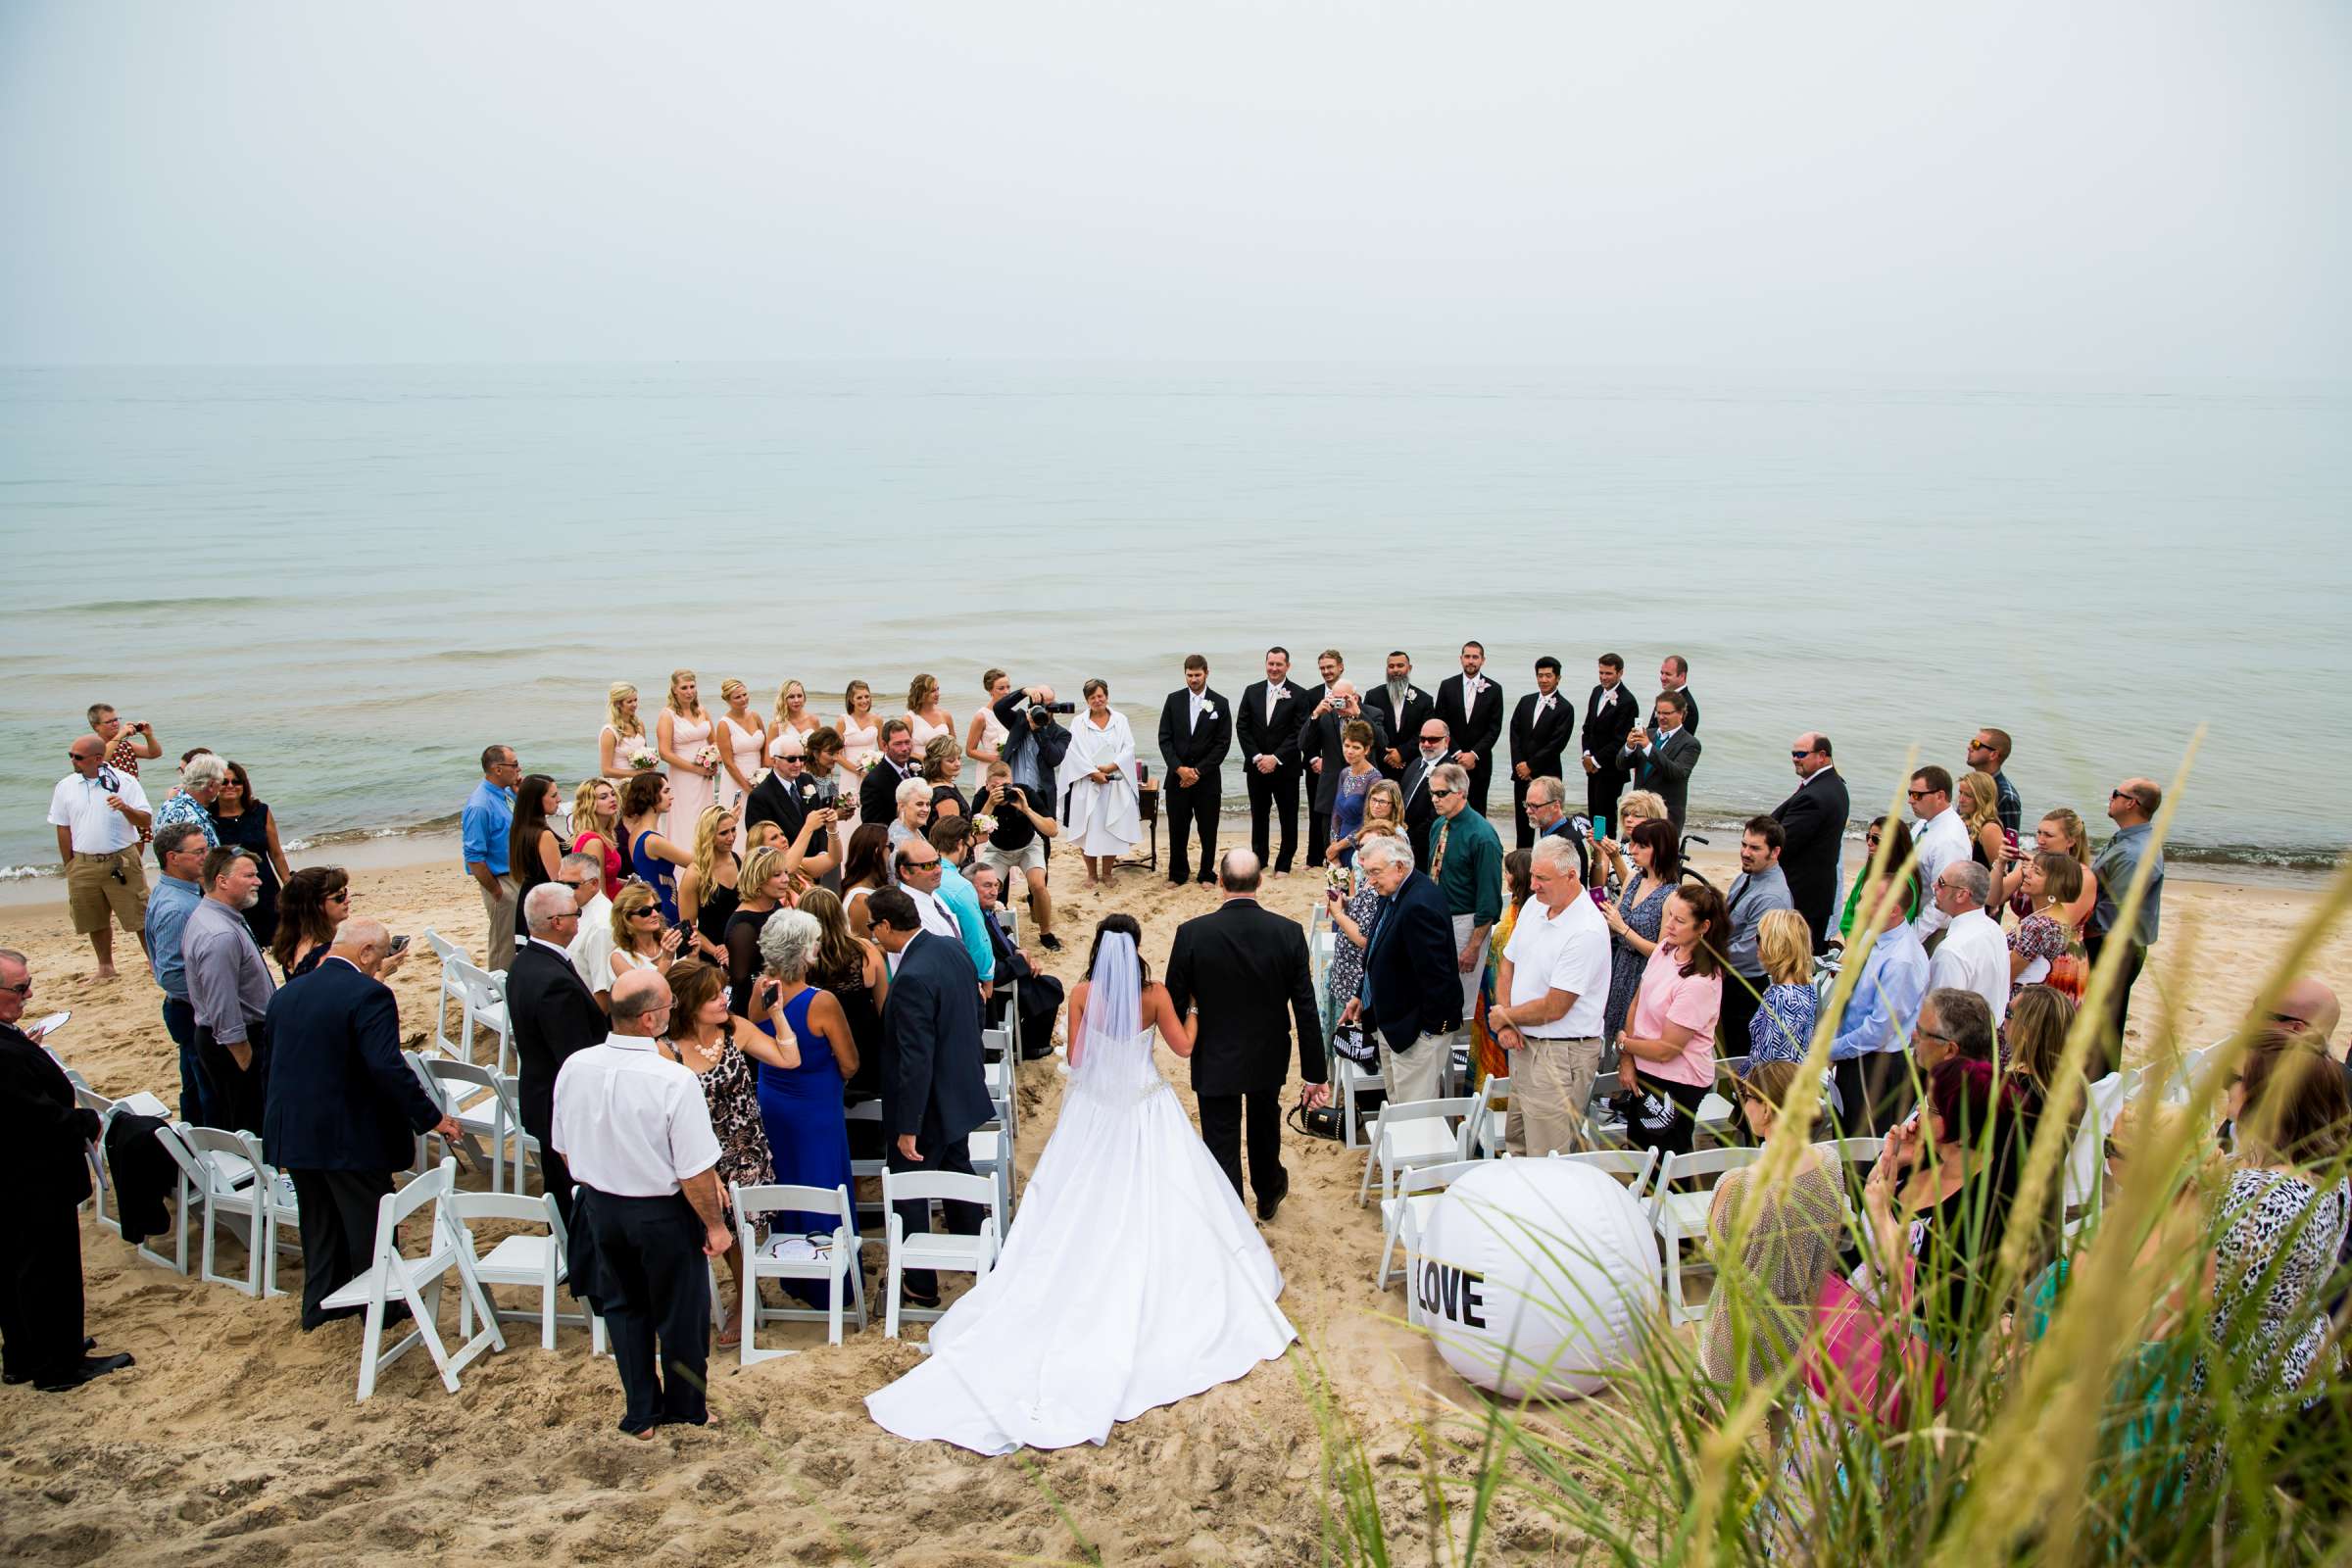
column 237, row 1438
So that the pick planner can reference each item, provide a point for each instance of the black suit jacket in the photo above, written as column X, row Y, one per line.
column 43, row 1133
column 1277, row 738
column 933, row 1085
column 1482, row 729
column 1604, row 734
column 1419, row 809
column 1244, row 965
column 1409, row 968
column 1321, row 738
column 1184, row 744
column 1665, row 769
column 1543, row 745
column 771, row 802
column 878, row 791
column 340, row 1096
column 554, row 1014
column 1404, row 727
column 1814, row 819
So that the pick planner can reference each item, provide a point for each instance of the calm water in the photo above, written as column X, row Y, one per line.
column 352, row 579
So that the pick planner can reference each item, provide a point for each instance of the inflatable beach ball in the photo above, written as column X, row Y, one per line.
column 1536, row 1276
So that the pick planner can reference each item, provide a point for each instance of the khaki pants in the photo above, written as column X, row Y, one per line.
column 99, row 884
column 1552, row 1080
column 1418, row 1071
column 500, row 912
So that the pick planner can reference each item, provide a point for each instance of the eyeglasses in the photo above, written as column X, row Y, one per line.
column 1441, row 795
column 24, row 989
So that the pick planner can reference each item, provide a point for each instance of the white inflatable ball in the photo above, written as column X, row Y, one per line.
column 1536, row 1276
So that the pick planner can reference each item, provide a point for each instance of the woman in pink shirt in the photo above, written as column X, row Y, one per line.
column 1666, row 1055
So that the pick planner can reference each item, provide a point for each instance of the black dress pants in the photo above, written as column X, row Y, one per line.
column 914, row 1213
column 1741, row 994
column 1523, row 832
column 1876, row 1093
column 1221, row 1119
column 336, row 1211
column 653, row 1287
column 554, row 1177
column 41, row 1290
column 1188, row 806
column 233, row 1094
column 1269, row 792
column 1318, row 837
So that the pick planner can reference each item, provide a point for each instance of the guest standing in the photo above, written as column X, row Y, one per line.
column 1357, row 778
column 1896, row 854
column 128, row 743
column 482, row 831
column 1941, row 839
column 47, row 1138
column 1666, row 1055
column 682, row 735
column 892, row 767
column 317, row 900
column 1267, row 726
column 789, row 797
column 1542, row 726
column 1550, row 995
column 229, row 990
column 1661, row 758
column 2131, row 807
column 1431, row 753
column 913, row 804
column 243, row 821
column 623, row 736
column 1635, row 915
column 1609, row 711
column 942, row 765
column 1673, row 675
column 554, row 1016
column 925, row 717
column 1757, row 890
column 1466, row 861
column 648, row 801
column 853, row 973
column 636, row 1133
column 99, row 814
column 200, row 775
column 642, row 938
column 532, row 845
column 1813, row 830
column 1324, row 744
column 1472, row 708
column 2060, row 832
column 800, row 1090
column 1401, row 707
column 1195, row 731
column 1988, row 753
column 179, row 859
column 590, row 947
column 954, row 839
column 1016, row 976
column 1099, row 804
column 864, row 871
column 596, row 828
column 1410, row 1002
column 342, row 1110
column 1972, row 955
column 1867, row 1055
column 2041, row 947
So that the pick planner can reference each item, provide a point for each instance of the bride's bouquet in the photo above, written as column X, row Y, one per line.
column 704, row 756
column 638, row 757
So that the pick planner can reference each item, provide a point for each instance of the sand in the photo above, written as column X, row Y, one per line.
column 237, row 1438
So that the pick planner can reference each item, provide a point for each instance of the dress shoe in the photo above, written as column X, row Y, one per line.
column 89, row 1368
column 11, row 1379
column 1270, row 1204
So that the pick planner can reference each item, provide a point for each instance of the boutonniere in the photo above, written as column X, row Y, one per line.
column 1282, row 691
column 806, row 788
column 1208, row 710
column 1479, row 686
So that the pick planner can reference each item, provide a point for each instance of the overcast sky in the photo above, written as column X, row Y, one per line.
column 2108, row 186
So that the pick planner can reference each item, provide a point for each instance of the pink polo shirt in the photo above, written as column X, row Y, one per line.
column 1668, row 994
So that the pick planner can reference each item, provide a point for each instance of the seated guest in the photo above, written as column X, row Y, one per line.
column 1868, row 1053
column 46, row 1139
column 1788, row 1247
column 952, row 837
column 1972, row 955
column 1666, row 1055
column 343, row 1111
column 1014, row 823
column 229, row 990
column 552, row 1013
column 653, row 858
column 1937, row 1202
column 1781, row 1029
column 1040, row 994
column 2042, row 950
column 2034, row 1042
column 1896, row 854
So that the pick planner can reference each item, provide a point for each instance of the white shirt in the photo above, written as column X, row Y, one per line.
column 1564, row 952
column 629, row 1121
column 1974, row 955
column 78, row 805
column 935, row 915
column 1200, row 701
column 1940, row 840
column 591, row 949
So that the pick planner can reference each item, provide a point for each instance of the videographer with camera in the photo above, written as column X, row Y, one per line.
column 1014, row 826
column 803, row 809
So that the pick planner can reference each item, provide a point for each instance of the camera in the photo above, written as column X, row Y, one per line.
column 1043, row 712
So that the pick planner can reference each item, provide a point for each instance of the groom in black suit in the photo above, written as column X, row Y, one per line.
column 1268, row 725
column 934, row 1090
column 1242, row 966
column 1195, row 731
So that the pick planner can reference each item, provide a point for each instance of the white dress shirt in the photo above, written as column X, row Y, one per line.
column 1200, row 701
column 1564, row 952
column 591, row 949
column 936, row 916
column 1974, row 955
column 629, row 1121
column 1940, row 840
column 78, row 805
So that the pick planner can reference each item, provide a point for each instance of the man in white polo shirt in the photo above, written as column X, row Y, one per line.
column 1974, row 955
column 635, row 1131
column 99, row 814
column 1553, row 987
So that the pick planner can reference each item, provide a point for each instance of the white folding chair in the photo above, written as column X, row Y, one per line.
column 528, row 1262
column 1858, row 1151
column 1402, row 1216
column 1494, row 1109
column 415, row 1282
column 238, row 1189
column 935, row 1250
column 452, row 989
column 1716, row 1111
column 1415, row 1132
column 991, row 1152
column 1639, row 1163
column 862, row 1170
column 91, row 1099
column 1681, row 1216
column 1004, row 1085
column 838, row 1260
column 185, row 1201
column 2085, row 1163
column 485, row 996
column 1351, row 1081
column 483, row 1104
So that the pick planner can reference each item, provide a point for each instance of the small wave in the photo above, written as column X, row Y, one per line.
column 18, row 873
column 142, row 607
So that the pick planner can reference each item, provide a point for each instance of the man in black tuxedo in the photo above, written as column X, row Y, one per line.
column 44, row 1157
column 878, row 791
column 1472, row 708
column 1402, row 706
column 553, row 1014
column 342, row 1110
column 786, row 796
column 1542, row 726
column 1434, row 751
column 1673, row 675
column 1016, row 969
column 1609, row 715
column 934, row 1091
column 1814, row 820
column 1195, row 731
column 1242, row 966
column 1267, row 726
column 1321, row 743
column 1661, row 758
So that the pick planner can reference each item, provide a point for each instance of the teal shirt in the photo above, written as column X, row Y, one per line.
column 1472, row 876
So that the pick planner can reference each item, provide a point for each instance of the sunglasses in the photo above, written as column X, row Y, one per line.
column 1919, row 795
column 645, row 914
column 922, row 866
column 24, row 989
column 1441, row 795
column 572, row 883
column 1800, row 752
column 1433, row 740
column 1871, row 841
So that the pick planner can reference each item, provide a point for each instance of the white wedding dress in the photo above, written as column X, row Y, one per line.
column 1131, row 1277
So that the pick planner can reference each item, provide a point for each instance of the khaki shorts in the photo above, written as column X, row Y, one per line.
column 97, row 883
column 1030, row 856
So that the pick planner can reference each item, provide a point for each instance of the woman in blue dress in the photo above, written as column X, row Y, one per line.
column 802, row 1106
column 652, row 860
column 1355, row 782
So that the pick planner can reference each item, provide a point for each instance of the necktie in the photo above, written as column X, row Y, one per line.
column 1437, row 853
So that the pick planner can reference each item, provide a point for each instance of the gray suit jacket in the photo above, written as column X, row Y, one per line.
column 1664, row 768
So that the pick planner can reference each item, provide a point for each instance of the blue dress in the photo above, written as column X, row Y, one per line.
column 1347, row 809
column 807, row 1133
column 655, row 873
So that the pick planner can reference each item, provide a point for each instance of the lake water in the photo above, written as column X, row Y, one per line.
column 353, row 578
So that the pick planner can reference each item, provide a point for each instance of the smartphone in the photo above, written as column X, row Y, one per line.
column 53, row 1023
column 1601, row 828
column 399, row 943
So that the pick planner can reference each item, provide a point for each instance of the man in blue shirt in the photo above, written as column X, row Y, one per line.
column 1870, row 1053
column 2131, row 807
column 953, row 838
column 180, row 855
column 482, row 833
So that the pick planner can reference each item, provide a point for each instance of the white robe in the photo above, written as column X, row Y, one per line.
column 1100, row 819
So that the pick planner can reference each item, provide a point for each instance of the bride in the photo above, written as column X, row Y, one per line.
column 1131, row 1277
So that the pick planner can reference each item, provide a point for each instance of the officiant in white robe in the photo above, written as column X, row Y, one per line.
column 1102, row 816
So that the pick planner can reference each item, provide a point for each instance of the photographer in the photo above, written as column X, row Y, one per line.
column 1034, row 745
column 1015, row 824
column 803, row 809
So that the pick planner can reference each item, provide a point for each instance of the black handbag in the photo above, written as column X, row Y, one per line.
column 1324, row 1121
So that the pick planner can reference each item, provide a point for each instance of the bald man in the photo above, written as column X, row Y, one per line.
column 2307, row 1007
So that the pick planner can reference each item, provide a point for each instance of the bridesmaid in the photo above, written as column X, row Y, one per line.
column 930, row 720
column 245, row 821
column 652, row 858
column 708, row 890
column 802, row 1106
column 621, row 726
column 681, row 735
column 860, row 742
column 792, row 713
column 595, row 827
column 742, row 746
column 984, row 740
